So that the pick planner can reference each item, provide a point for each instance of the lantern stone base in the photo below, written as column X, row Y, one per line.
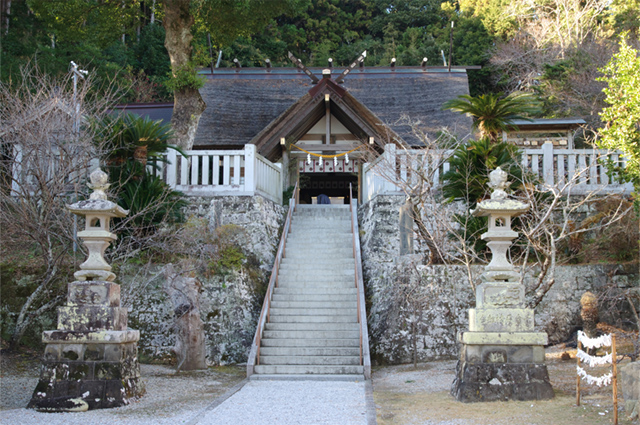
column 91, row 360
column 501, row 366
column 85, row 370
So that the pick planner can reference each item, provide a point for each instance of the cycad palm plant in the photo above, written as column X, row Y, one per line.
column 467, row 180
column 133, row 137
column 493, row 113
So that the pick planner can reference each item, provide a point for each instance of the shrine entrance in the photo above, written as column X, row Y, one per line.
column 327, row 176
column 333, row 185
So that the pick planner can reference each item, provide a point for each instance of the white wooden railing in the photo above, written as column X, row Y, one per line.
column 222, row 172
column 576, row 171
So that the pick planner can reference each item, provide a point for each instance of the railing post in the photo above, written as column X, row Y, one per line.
column 279, row 186
column 547, row 164
column 250, row 168
column 172, row 168
column 390, row 161
column 17, row 171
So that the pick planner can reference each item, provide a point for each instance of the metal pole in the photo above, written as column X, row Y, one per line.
column 578, row 376
column 614, row 380
column 210, row 52
column 450, row 45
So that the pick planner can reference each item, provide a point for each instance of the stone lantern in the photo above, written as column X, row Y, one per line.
column 91, row 360
column 501, row 356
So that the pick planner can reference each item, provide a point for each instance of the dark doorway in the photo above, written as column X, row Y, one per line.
column 330, row 184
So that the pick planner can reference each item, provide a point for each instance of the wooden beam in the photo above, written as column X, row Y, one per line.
column 321, row 147
column 340, row 136
column 297, row 62
column 351, row 67
column 327, row 118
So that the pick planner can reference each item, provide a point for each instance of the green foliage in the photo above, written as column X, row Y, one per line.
column 493, row 113
column 150, row 201
column 121, row 136
column 622, row 116
column 150, row 53
column 129, row 142
column 470, row 166
column 74, row 21
column 184, row 77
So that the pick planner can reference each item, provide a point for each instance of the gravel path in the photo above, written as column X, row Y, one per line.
column 170, row 398
column 298, row 402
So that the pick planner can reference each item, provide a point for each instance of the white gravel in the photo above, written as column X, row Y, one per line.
column 170, row 399
column 189, row 398
column 292, row 402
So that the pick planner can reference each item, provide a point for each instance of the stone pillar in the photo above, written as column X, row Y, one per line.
column 501, row 356
column 91, row 359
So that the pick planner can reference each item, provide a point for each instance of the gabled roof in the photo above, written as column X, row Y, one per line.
column 298, row 119
column 549, row 124
column 242, row 103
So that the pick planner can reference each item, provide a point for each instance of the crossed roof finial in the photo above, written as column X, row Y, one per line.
column 297, row 62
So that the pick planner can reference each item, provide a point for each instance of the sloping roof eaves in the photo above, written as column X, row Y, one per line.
column 238, row 109
column 419, row 100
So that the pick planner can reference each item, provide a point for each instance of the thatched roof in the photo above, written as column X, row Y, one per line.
column 243, row 104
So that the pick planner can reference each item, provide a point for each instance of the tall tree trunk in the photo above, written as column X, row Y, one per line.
column 188, row 105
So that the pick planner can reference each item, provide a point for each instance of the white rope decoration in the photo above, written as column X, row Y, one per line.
column 601, row 341
column 600, row 381
column 593, row 361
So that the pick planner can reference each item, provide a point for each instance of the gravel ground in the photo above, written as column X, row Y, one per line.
column 170, row 398
column 403, row 395
column 298, row 402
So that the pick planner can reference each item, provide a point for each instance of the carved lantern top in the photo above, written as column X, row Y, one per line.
column 499, row 204
column 98, row 204
column 96, row 236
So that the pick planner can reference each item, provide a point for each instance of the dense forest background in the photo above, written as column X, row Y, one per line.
column 552, row 48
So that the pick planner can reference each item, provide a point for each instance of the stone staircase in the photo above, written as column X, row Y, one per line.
column 313, row 327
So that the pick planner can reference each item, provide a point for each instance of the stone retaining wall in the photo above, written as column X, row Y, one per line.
column 230, row 301
column 424, row 307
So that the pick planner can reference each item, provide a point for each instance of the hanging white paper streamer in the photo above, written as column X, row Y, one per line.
column 308, row 159
column 601, row 341
column 335, row 161
column 600, row 381
column 593, row 361
column 346, row 158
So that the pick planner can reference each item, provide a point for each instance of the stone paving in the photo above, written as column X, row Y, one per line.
column 298, row 402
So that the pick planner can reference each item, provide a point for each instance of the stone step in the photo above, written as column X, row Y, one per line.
column 310, row 335
column 310, row 360
column 331, row 326
column 303, row 297
column 314, row 377
column 313, row 291
column 307, row 352
column 309, row 311
column 305, row 283
column 316, row 276
column 290, row 318
column 309, row 369
column 309, row 266
column 321, row 234
column 311, row 342
column 315, row 304
column 314, row 250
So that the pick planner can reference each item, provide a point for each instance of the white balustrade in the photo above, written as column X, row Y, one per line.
column 574, row 171
column 223, row 172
